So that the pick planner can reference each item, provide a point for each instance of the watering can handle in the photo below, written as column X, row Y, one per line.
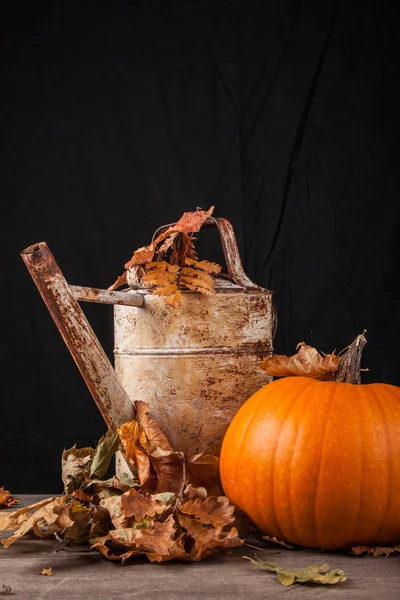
column 230, row 248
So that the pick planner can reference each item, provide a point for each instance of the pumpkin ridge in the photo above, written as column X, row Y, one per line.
column 377, row 403
column 292, row 380
column 362, row 463
column 238, row 446
column 318, row 482
column 259, row 503
column 291, row 469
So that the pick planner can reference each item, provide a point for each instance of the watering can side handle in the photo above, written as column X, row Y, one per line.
column 87, row 294
column 230, row 249
column 111, row 398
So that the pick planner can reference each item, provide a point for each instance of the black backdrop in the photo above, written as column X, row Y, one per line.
column 118, row 116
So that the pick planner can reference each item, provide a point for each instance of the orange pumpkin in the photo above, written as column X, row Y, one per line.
column 317, row 463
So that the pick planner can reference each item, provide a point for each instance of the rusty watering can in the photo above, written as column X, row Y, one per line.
column 194, row 365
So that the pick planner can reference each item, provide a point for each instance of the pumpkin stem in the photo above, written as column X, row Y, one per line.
column 349, row 367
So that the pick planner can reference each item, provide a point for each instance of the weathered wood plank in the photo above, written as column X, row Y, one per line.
column 81, row 575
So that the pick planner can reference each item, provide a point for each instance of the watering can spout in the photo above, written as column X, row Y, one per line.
column 61, row 300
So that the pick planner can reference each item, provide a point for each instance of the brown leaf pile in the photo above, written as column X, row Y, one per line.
column 6, row 500
column 170, row 264
column 308, row 362
column 174, row 508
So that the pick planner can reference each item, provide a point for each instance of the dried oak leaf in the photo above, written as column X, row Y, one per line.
column 6, row 499
column 374, row 550
column 48, row 572
column 137, row 505
column 308, row 362
column 214, row 510
column 156, row 539
column 207, row 539
column 319, row 574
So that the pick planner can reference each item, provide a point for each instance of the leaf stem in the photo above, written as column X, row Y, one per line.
column 349, row 367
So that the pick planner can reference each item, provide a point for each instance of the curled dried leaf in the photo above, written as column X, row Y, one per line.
column 47, row 572
column 121, row 280
column 6, row 499
column 308, row 362
column 190, row 222
column 155, row 436
column 50, row 516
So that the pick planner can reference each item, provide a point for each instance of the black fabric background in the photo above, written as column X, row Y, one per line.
column 118, row 116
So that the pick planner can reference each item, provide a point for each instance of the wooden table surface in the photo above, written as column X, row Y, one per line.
column 80, row 574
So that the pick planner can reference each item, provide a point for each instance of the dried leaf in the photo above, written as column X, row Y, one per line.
column 191, row 222
column 375, row 550
column 116, row 512
column 203, row 470
column 137, row 505
column 15, row 519
column 163, row 267
column 169, row 469
column 106, row 448
column 47, row 572
column 75, row 466
column 155, row 436
column 175, row 299
column 82, row 496
column 6, row 500
column 275, row 540
column 308, row 362
column 100, row 525
column 81, row 517
column 141, row 255
column 203, row 265
column 6, row 590
column 121, row 280
column 158, row 278
column 215, row 510
column 313, row 574
column 156, row 539
column 132, row 437
column 167, row 290
column 51, row 517
column 207, row 539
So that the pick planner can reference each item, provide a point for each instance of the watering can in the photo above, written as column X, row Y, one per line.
column 195, row 365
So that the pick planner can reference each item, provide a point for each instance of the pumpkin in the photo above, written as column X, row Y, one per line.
column 317, row 463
